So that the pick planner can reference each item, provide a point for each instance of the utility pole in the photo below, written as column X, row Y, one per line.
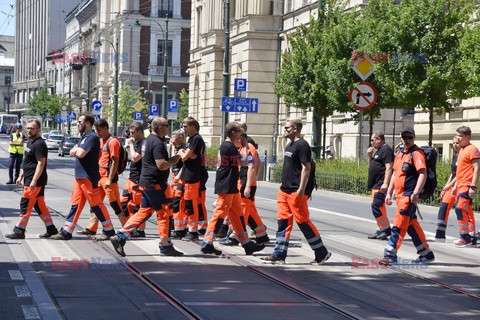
column 226, row 65
column 165, row 66
column 70, row 96
column 8, row 89
column 115, row 94
column 88, row 85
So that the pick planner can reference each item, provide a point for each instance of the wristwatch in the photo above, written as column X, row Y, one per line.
column 473, row 188
column 415, row 195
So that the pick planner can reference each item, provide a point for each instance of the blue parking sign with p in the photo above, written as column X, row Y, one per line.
column 153, row 110
column 172, row 105
column 240, row 84
column 137, row 116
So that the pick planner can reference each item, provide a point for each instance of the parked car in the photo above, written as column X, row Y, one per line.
column 57, row 132
column 45, row 135
column 66, row 145
column 53, row 141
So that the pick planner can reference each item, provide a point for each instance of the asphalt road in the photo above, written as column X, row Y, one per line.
column 85, row 279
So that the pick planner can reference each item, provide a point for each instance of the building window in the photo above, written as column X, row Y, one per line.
column 8, row 80
column 164, row 7
column 160, row 52
column 439, row 148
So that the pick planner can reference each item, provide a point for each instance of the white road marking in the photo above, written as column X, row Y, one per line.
column 22, row 291
column 15, row 274
column 30, row 312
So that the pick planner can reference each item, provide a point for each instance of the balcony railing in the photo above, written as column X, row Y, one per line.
column 171, row 71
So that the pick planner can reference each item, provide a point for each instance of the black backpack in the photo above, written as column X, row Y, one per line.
column 431, row 156
column 312, row 181
column 122, row 157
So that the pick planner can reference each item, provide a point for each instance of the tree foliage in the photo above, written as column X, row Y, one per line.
column 316, row 70
column 45, row 104
column 182, row 108
column 433, row 28
column 127, row 97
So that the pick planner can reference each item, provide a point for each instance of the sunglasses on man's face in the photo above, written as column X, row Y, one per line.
column 407, row 137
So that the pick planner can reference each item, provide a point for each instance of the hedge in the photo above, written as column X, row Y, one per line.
column 348, row 177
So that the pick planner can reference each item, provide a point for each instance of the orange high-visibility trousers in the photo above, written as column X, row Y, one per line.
column 446, row 205
column 83, row 191
column 33, row 199
column 464, row 211
column 405, row 220
column 289, row 207
column 379, row 210
column 113, row 196
column 131, row 200
column 228, row 204
column 180, row 219
column 154, row 199
column 191, row 197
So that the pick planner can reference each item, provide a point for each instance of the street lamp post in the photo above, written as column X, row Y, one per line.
column 115, row 93
column 165, row 68
column 165, row 62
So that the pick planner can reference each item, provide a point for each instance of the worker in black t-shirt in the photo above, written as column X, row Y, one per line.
column 379, row 174
column 228, row 195
column 85, row 185
column 193, row 165
column 34, row 174
column 180, row 218
column 292, row 200
column 156, row 192
column 131, row 196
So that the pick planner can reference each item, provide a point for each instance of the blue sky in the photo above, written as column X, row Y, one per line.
column 7, row 17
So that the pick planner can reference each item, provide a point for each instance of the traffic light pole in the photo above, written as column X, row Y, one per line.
column 226, row 65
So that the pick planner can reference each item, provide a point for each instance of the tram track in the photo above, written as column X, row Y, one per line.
column 192, row 314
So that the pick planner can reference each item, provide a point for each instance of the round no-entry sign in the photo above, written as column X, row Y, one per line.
column 364, row 96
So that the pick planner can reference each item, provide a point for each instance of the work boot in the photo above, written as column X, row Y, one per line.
column 429, row 258
column 103, row 237
column 388, row 261
column 262, row 239
column 59, row 236
column 229, row 242
column 210, row 249
column 86, row 232
column 273, row 260
column 191, row 236
column 380, row 235
column 16, row 235
column 117, row 245
column 252, row 247
column 138, row 234
column 178, row 234
column 171, row 253
column 321, row 260
column 51, row 230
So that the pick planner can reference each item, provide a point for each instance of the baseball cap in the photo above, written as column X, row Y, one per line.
column 408, row 129
column 150, row 119
column 18, row 125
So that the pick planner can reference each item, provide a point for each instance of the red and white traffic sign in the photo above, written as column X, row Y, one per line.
column 364, row 96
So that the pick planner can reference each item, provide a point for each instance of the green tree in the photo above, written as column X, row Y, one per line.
column 434, row 29
column 127, row 97
column 43, row 103
column 470, row 64
column 182, row 108
column 314, row 73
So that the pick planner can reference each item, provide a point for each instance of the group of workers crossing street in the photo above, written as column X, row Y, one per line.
column 178, row 199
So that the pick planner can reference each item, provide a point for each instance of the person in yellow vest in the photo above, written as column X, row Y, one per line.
column 148, row 130
column 16, row 149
